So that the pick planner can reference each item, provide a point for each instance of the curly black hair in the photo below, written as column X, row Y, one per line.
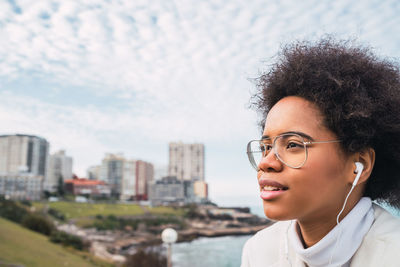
column 358, row 95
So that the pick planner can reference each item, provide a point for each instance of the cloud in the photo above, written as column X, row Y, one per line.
column 172, row 70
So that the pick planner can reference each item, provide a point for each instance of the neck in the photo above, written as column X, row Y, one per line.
column 312, row 230
column 338, row 246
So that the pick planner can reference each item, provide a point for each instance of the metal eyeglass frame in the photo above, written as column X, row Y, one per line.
column 305, row 143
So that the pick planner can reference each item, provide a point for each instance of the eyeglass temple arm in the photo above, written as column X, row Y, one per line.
column 321, row 142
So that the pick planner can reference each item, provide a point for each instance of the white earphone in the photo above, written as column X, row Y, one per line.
column 359, row 169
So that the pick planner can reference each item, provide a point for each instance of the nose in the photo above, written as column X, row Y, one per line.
column 270, row 163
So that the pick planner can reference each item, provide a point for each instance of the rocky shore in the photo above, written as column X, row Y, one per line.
column 207, row 221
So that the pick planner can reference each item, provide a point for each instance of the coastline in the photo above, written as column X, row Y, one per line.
column 190, row 234
column 205, row 221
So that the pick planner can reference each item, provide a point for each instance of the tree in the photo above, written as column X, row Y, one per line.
column 60, row 186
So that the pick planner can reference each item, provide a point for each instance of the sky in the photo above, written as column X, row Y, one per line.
column 96, row 77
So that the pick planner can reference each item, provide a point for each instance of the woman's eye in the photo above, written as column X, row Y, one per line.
column 294, row 145
column 265, row 148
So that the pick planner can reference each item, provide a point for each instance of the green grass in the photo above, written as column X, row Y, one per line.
column 22, row 246
column 79, row 210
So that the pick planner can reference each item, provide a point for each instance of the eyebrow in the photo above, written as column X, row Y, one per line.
column 304, row 135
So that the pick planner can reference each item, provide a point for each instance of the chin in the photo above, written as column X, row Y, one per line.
column 275, row 213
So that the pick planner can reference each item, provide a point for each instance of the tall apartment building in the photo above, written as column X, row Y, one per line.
column 128, row 178
column 23, row 153
column 144, row 177
column 60, row 165
column 111, row 172
column 128, row 188
column 186, row 161
column 23, row 166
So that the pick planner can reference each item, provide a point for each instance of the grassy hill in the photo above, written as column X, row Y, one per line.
column 79, row 210
column 24, row 247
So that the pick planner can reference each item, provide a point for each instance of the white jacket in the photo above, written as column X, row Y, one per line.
column 379, row 248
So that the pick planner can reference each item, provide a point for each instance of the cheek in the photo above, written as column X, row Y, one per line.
column 323, row 174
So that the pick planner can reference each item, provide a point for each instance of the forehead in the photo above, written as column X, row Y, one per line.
column 296, row 114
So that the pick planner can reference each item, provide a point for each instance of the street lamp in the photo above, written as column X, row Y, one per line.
column 169, row 236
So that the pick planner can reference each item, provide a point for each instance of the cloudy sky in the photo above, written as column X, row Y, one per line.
column 130, row 76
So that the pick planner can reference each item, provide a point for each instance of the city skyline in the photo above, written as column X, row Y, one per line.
column 97, row 77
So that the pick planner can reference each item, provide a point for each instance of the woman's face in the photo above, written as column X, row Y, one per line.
column 316, row 189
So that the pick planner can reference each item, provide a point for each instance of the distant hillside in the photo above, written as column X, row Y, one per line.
column 26, row 248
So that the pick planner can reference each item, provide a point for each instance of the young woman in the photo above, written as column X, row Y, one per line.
column 330, row 145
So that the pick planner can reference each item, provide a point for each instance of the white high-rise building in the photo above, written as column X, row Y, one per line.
column 23, row 154
column 186, row 161
column 128, row 187
column 60, row 165
column 23, row 166
column 128, row 178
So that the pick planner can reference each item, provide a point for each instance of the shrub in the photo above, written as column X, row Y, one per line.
column 147, row 258
column 38, row 223
column 56, row 214
column 26, row 203
column 67, row 240
column 192, row 212
column 12, row 211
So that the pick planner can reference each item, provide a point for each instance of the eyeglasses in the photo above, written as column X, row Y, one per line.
column 290, row 149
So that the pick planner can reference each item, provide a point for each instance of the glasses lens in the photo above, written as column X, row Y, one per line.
column 291, row 150
column 256, row 150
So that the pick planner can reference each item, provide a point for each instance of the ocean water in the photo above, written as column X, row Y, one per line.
column 209, row 252
column 212, row 252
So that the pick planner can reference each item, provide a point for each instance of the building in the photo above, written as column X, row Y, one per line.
column 60, row 166
column 167, row 190
column 200, row 189
column 144, row 177
column 111, row 172
column 23, row 154
column 93, row 172
column 128, row 178
column 170, row 189
column 186, row 161
column 129, row 181
column 23, row 166
column 22, row 186
column 93, row 188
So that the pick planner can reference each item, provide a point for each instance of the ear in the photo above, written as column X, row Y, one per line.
column 367, row 158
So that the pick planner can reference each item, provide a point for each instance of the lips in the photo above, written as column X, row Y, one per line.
column 271, row 189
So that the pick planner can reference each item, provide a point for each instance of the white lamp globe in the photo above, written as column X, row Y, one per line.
column 169, row 235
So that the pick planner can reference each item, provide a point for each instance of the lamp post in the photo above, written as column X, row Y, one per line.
column 169, row 236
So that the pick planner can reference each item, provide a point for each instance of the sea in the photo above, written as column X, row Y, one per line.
column 223, row 251
column 209, row 252
column 218, row 251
